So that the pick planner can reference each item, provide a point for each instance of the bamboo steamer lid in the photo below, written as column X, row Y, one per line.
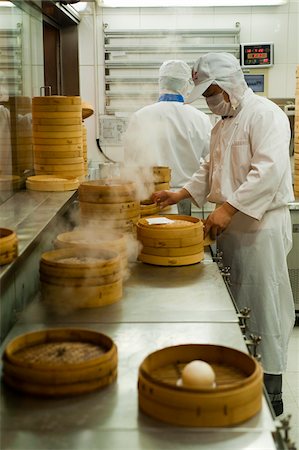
column 51, row 183
column 63, row 361
column 107, row 191
column 237, row 396
column 87, row 110
column 8, row 246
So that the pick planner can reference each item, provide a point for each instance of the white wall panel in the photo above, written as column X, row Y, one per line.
column 86, row 41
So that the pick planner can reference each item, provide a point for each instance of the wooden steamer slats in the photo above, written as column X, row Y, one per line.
column 60, row 362
column 8, row 246
column 236, row 397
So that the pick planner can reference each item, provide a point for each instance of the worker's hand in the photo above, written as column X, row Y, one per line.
column 165, row 198
column 219, row 220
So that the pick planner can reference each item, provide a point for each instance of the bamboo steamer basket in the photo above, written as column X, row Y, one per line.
column 107, row 191
column 161, row 174
column 60, row 362
column 8, row 246
column 57, row 141
column 161, row 186
column 110, row 211
column 93, row 239
column 148, row 208
column 76, row 278
column 236, row 398
column 51, row 183
column 176, row 244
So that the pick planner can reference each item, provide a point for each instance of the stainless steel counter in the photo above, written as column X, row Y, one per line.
column 155, row 294
column 28, row 213
column 161, row 307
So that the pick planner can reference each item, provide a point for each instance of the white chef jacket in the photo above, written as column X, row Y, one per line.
column 250, row 168
column 168, row 133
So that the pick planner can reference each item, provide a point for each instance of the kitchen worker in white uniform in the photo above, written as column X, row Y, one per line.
column 249, row 178
column 169, row 132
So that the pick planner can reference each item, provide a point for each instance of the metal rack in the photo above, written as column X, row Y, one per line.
column 11, row 59
column 133, row 57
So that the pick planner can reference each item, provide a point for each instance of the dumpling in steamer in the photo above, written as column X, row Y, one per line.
column 198, row 374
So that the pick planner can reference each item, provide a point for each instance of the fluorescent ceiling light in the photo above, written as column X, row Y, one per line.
column 200, row 3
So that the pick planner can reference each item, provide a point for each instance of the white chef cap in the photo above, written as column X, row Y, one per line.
column 222, row 69
column 175, row 76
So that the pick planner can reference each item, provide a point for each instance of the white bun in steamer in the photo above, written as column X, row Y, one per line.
column 198, row 374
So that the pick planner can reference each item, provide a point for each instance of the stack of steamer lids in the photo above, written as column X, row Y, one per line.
column 111, row 203
column 57, row 136
column 59, row 362
column 74, row 278
column 296, row 138
column 171, row 240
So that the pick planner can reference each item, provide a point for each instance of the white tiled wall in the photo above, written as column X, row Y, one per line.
column 278, row 24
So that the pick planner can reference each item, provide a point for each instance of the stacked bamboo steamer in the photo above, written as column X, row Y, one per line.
column 84, row 143
column 296, row 138
column 57, row 136
column 236, row 396
column 179, row 242
column 60, row 362
column 8, row 246
column 162, row 177
column 74, row 278
column 86, row 239
column 110, row 203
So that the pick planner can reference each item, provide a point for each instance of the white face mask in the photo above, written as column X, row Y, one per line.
column 219, row 106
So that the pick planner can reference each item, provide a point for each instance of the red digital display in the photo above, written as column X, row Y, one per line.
column 256, row 54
